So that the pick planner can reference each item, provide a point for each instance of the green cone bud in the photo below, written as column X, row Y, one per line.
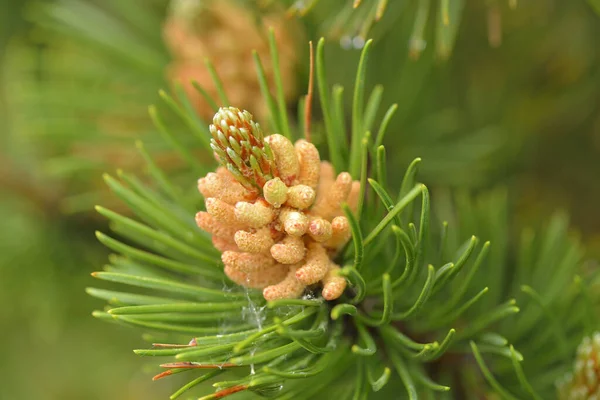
column 238, row 143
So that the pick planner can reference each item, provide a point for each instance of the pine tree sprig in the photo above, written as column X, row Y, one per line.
column 410, row 280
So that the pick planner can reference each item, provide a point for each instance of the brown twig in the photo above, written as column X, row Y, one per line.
column 188, row 365
column 163, row 374
column 229, row 391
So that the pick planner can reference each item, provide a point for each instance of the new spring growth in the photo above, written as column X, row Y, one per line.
column 584, row 382
column 273, row 209
column 239, row 145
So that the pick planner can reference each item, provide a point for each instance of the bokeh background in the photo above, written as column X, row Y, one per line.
column 515, row 103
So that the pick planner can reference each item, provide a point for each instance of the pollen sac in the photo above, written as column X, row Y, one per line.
column 275, row 192
column 295, row 223
column 274, row 210
column 300, row 196
column 254, row 242
column 290, row 250
column 254, row 215
column 320, row 230
column 340, row 233
column 316, row 266
column 333, row 284
column 286, row 158
column 310, row 163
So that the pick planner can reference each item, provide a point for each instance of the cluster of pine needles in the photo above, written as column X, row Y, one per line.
column 450, row 314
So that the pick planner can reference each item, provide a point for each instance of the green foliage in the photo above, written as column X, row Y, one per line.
column 351, row 22
column 45, row 262
column 63, row 99
column 63, row 88
column 595, row 4
column 544, row 271
column 427, row 299
column 537, row 91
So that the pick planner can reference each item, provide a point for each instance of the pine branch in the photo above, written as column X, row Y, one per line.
column 424, row 299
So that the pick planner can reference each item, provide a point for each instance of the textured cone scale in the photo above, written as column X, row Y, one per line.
column 281, row 226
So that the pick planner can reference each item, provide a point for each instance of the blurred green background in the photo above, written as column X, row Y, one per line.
column 54, row 349
column 520, row 107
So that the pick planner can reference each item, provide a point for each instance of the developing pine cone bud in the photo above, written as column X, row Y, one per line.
column 274, row 210
column 239, row 146
column 226, row 32
column 584, row 382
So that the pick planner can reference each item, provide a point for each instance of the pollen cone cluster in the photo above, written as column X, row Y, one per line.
column 226, row 32
column 584, row 382
column 274, row 209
